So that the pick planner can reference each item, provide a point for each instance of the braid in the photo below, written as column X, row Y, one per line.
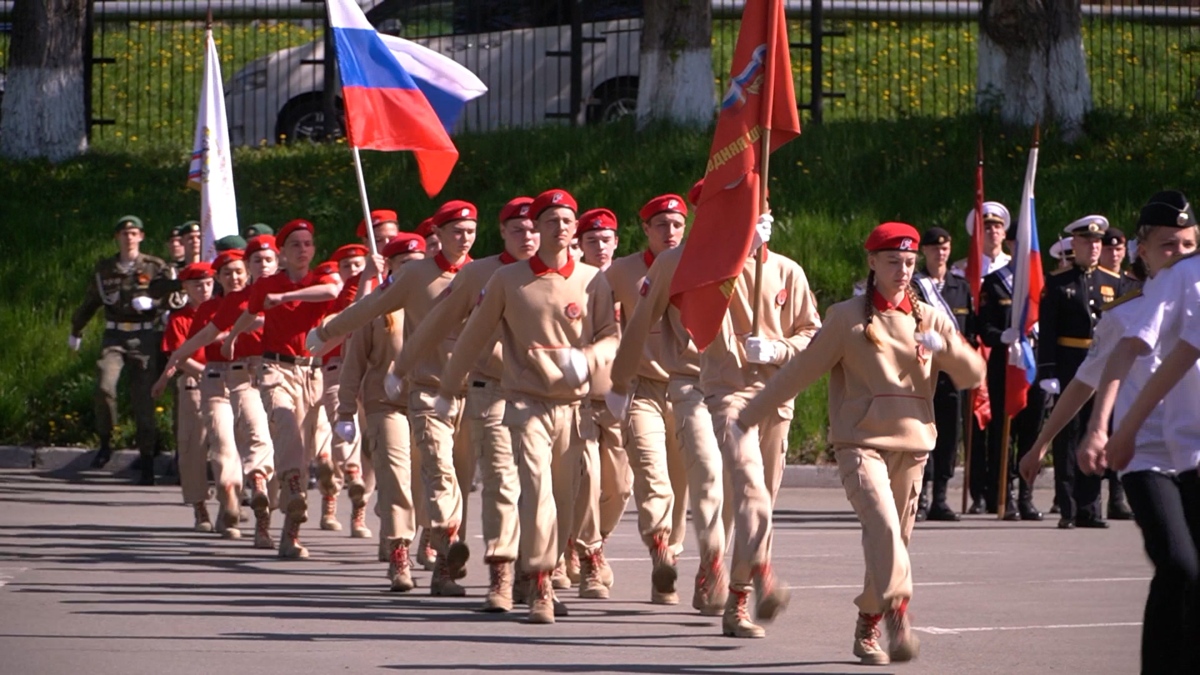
column 869, row 309
column 914, row 301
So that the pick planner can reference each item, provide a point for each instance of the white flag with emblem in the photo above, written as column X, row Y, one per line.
column 211, row 170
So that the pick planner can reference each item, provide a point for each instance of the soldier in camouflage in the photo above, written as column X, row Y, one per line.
column 130, row 286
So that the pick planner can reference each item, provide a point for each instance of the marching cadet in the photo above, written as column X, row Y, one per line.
column 1112, row 258
column 558, row 329
column 442, row 445
column 191, row 440
column 385, row 227
column 239, row 442
column 484, row 405
column 386, row 436
column 951, row 295
column 669, row 438
column 995, row 312
column 193, row 241
column 433, row 244
column 343, row 466
column 129, row 286
column 996, row 222
column 597, row 232
column 291, row 301
column 882, row 351
column 732, row 369
column 654, row 330
column 1071, row 306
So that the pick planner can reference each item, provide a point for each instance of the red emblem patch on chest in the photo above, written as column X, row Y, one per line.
column 781, row 298
column 645, row 287
column 479, row 300
column 573, row 312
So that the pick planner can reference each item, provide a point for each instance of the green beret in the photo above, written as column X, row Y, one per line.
column 127, row 222
column 189, row 227
column 258, row 229
column 229, row 243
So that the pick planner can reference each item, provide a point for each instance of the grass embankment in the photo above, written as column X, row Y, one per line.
column 828, row 188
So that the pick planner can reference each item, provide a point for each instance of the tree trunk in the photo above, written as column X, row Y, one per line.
column 1032, row 67
column 676, row 80
column 43, row 111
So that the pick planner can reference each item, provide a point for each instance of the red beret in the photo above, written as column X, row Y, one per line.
column 263, row 242
column 661, row 204
column 293, row 226
column 452, row 211
column 405, row 242
column 596, row 219
column 349, row 251
column 378, row 217
column 518, row 207
column 425, row 229
column 226, row 257
column 551, row 198
column 694, row 193
column 327, row 268
column 194, row 271
column 893, row 237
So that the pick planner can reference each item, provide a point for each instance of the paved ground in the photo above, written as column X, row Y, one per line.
column 98, row 577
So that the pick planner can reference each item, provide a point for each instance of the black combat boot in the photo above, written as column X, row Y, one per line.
column 1025, row 503
column 103, row 455
column 939, row 509
column 923, row 502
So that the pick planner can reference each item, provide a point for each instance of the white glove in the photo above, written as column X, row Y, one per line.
column 762, row 230
column 618, row 404
column 142, row 303
column 74, row 342
column 761, row 350
column 443, row 407
column 1050, row 385
column 393, row 387
column 1010, row 335
column 931, row 341
column 346, row 430
column 574, row 366
column 313, row 341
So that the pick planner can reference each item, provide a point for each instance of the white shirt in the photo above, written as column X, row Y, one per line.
column 959, row 269
column 1151, row 450
column 1170, row 312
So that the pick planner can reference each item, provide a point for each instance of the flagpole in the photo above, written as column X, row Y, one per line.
column 760, row 254
column 362, row 194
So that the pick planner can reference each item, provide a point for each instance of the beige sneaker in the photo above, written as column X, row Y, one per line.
column 771, row 596
column 541, row 598
column 289, row 541
column 500, row 587
column 329, row 519
column 203, row 522
column 426, row 555
column 664, row 574
column 358, row 523
column 712, row 586
column 399, row 568
column 262, row 529
column 591, row 586
column 735, row 620
column 866, row 641
column 903, row 644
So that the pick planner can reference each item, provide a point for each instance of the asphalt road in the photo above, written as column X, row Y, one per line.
column 99, row 577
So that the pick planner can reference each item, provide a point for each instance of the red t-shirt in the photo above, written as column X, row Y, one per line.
column 285, row 326
column 231, row 309
column 204, row 316
column 178, row 327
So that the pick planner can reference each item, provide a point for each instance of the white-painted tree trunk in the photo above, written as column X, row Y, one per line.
column 676, row 86
column 43, row 113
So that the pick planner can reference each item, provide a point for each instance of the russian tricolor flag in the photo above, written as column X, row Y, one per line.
column 1027, row 296
column 385, row 107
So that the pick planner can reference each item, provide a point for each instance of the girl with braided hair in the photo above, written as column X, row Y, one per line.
column 883, row 352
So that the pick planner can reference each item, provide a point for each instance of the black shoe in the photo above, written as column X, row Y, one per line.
column 1011, row 515
column 1119, row 510
column 976, row 507
column 922, row 514
column 1054, row 510
column 1090, row 522
column 103, row 455
column 1066, row 524
column 1029, row 511
column 943, row 513
column 146, row 478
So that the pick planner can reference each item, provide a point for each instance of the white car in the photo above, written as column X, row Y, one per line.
column 522, row 56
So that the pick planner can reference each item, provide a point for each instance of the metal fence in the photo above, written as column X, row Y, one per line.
column 576, row 62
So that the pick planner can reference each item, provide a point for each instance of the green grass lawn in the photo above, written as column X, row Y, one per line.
column 829, row 188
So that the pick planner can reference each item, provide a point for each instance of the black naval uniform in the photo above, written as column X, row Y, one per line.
column 954, row 296
column 995, row 310
column 1071, row 302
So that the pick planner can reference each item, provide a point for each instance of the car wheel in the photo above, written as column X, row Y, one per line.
column 305, row 121
column 616, row 103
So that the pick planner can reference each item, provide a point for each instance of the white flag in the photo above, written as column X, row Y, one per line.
column 211, row 170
